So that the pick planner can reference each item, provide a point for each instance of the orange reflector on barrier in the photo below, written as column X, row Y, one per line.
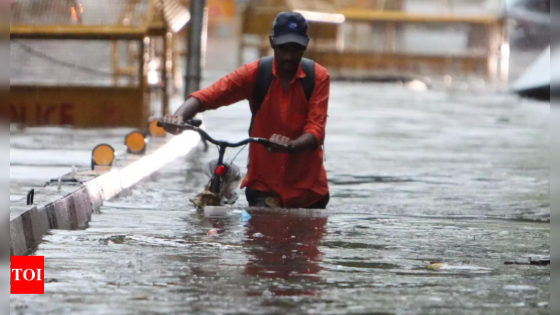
column 102, row 155
column 136, row 142
column 155, row 131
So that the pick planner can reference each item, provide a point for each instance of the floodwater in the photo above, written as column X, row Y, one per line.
column 458, row 176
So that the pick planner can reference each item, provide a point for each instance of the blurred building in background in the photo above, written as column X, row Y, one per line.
column 127, row 56
column 529, row 33
column 403, row 38
column 530, row 23
column 93, row 63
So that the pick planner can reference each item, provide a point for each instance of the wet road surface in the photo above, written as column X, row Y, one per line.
column 459, row 176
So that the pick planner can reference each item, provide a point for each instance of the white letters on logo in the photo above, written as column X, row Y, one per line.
column 25, row 274
column 17, row 273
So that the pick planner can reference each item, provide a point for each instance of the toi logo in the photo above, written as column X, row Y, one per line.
column 27, row 275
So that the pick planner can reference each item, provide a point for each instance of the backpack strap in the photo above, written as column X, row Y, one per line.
column 262, row 85
column 264, row 80
column 308, row 83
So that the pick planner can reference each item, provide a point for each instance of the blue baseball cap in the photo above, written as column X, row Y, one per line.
column 290, row 27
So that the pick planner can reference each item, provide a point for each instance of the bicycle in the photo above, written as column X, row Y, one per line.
column 211, row 195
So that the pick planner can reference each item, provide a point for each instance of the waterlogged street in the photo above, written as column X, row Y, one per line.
column 454, row 176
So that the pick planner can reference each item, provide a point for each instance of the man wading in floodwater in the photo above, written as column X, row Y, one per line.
column 289, row 97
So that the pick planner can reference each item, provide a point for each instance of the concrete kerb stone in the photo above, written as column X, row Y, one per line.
column 18, row 246
column 39, row 225
column 71, row 206
column 93, row 190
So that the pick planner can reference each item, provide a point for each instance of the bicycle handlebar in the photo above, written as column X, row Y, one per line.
column 195, row 123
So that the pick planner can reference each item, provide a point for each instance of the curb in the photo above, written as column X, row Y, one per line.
column 83, row 192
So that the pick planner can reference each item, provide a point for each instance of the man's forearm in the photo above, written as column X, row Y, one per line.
column 189, row 109
column 305, row 143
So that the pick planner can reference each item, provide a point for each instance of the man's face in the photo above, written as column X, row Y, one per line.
column 288, row 56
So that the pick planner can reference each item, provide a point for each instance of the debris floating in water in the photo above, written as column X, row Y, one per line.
column 436, row 265
column 535, row 261
column 245, row 217
column 540, row 260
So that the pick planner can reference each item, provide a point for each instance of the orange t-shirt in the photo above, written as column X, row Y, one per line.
column 298, row 180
